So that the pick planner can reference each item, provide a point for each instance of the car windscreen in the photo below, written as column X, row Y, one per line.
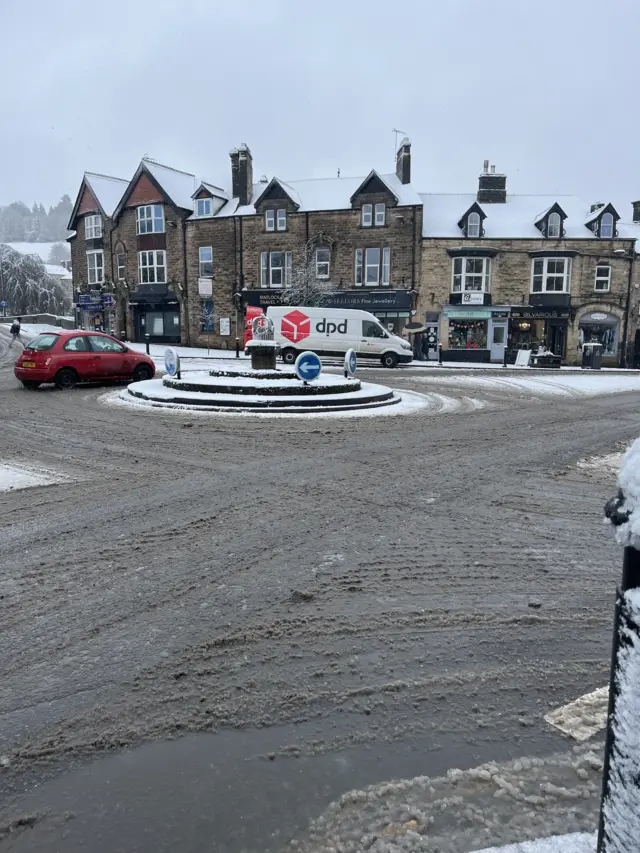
column 42, row 342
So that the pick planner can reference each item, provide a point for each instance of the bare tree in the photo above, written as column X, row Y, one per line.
column 309, row 281
column 58, row 253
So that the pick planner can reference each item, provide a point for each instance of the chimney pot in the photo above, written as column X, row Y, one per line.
column 485, row 168
column 493, row 170
column 636, row 211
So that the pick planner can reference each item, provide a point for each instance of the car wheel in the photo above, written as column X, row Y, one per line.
column 66, row 379
column 30, row 385
column 142, row 373
column 289, row 355
column 389, row 359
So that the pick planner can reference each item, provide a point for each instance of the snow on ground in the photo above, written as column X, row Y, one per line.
column 558, row 385
column 20, row 477
column 629, row 481
column 584, row 717
column 575, row 843
column 609, row 464
column 28, row 331
column 622, row 804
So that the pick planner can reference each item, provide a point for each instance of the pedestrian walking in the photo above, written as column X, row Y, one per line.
column 15, row 330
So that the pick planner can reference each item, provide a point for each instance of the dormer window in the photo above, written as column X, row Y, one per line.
column 203, row 207
column 367, row 215
column 473, row 225
column 92, row 227
column 276, row 219
column 554, row 225
column 607, row 226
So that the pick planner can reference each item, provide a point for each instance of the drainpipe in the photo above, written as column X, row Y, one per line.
column 625, row 336
column 185, row 290
column 241, row 235
column 413, row 251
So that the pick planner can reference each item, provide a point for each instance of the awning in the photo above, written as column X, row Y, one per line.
column 599, row 318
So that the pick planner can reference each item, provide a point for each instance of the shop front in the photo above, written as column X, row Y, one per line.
column 156, row 315
column 602, row 328
column 95, row 311
column 533, row 328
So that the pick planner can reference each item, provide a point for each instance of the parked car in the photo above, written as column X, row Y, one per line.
column 71, row 356
column 332, row 331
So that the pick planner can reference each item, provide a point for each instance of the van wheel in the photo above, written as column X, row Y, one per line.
column 66, row 379
column 389, row 359
column 289, row 355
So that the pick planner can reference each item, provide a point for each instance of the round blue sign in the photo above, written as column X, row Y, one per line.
column 350, row 362
column 171, row 361
column 3, row 304
column 307, row 366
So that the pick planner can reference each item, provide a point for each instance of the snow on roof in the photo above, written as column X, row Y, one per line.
column 179, row 186
column 41, row 249
column 594, row 214
column 324, row 194
column 512, row 219
column 58, row 271
column 214, row 190
column 107, row 190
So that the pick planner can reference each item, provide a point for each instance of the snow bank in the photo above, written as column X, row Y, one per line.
column 576, row 843
column 622, row 805
column 628, row 533
column 13, row 477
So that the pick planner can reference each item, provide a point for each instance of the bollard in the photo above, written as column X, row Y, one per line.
column 123, row 336
column 112, row 332
column 439, row 353
column 146, row 341
column 504, row 358
column 237, row 347
column 620, row 776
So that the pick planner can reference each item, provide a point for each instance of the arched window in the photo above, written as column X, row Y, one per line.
column 473, row 225
column 606, row 225
column 554, row 225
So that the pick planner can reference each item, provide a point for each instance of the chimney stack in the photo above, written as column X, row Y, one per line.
column 596, row 206
column 242, row 174
column 636, row 211
column 492, row 187
column 403, row 161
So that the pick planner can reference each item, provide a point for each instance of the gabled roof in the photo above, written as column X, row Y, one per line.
column 475, row 208
column 512, row 219
column 373, row 174
column 599, row 211
column 218, row 192
column 555, row 208
column 175, row 186
column 106, row 190
column 286, row 188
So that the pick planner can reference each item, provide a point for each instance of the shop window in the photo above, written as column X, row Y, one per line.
column 603, row 277
column 471, row 274
column 601, row 333
column 551, row 275
column 467, row 334
column 275, row 269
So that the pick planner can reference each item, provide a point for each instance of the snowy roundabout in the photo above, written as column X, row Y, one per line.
column 238, row 390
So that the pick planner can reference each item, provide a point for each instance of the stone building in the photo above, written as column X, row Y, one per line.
column 178, row 257
column 501, row 270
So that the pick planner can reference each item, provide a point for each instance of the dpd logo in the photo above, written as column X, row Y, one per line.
column 295, row 326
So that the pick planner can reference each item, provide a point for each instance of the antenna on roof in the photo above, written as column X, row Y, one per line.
column 338, row 172
column 395, row 140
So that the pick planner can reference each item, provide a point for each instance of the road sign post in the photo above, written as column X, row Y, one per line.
column 350, row 363
column 307, row 366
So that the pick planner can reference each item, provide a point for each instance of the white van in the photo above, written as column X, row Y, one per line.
column 332, row 331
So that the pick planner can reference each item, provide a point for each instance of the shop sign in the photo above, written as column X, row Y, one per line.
column 387, row 300
column 107, row 299
column 598, row 316
column 500, row 315
column 205, row 287
column 225, row 326
column 467, row 313
column 473, row 298
column 530, row 313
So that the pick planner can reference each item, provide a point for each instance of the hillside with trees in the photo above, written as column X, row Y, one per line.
column 21, row 224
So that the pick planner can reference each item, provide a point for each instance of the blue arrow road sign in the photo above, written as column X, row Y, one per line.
column 3, row 304
column 350, row 362
column 307, row 366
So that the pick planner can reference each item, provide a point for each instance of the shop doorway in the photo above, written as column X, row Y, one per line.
column 498, row 341
column 556, row 338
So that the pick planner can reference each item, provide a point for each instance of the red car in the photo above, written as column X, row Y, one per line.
column 70, row 356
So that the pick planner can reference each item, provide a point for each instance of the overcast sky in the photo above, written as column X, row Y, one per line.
column 546, row 89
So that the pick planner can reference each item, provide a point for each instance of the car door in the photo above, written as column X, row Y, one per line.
column 76, row 353
column 373, row 338
column 110, row 356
